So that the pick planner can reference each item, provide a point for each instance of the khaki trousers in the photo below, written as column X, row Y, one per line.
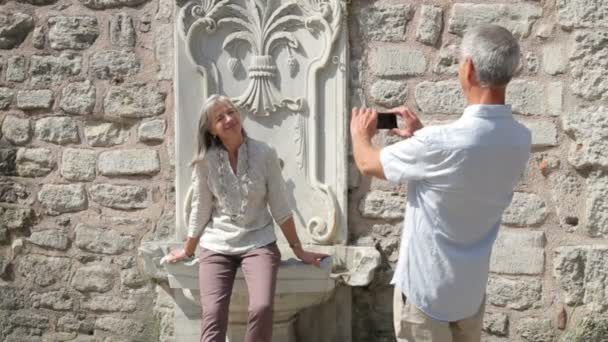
column 413, row 325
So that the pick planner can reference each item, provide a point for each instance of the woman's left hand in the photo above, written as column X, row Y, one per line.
column 310, row 257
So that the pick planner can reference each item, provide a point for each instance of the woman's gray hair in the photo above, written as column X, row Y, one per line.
column 494, row 52
column 204, row 139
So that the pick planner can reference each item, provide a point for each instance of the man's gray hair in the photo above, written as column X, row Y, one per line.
column 494, row 52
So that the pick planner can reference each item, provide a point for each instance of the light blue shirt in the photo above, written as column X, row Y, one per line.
column 460, row 179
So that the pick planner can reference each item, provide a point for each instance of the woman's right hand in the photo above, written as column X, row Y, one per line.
column 176, row 255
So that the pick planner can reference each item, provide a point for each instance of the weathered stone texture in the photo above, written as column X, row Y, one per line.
column 129, row 162
column 518, row 252
column 164, row 52
column 525, row 210
column 134, row 101
column 48, row 71
column 6, row 97
column 429, row 26
column 581, row 275
column 589, row 64
column 385, row 22
column 93, row 278
column 122, row 31
column 514, row 294
column 114, row 64
column 526, row 97
column 16, row 130
column 54, row 300
column 119, row 196
column 104, row 134
column 34, row 162
column 517, row 19
column 15, row 219
column 582, row 14
column 57, row 130
column 72, row 33
column 51, row 238
column 60, row 198
column 14, row 27
column 535, row 330
column 555, row 60
column 124, row 327
column 34, row 99
column 396, row 60
column 15, row 70
column 596, row 213
column 443, row 97
column 13, row 192
column 8, row 161
column 389, row 93
column 106, row 4
column 152, row 131
column 544, row 133
column 78, row 164
column 382, row 204
column 78, row 98
column 43, row 270
column 590, row 130
column 101, row 240
column 496, row 324
column 109, row 303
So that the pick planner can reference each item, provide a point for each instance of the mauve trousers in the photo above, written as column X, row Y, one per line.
column 216, row 278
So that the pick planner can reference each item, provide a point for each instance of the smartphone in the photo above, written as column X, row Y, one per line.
column 387, row 121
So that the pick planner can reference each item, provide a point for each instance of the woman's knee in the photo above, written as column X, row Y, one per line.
column 260, row 309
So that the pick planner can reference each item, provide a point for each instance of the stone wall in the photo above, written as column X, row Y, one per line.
column 86, row 112
column 86, row 169
column 549, row 266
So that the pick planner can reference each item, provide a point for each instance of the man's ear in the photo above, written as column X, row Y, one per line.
column 469, row 72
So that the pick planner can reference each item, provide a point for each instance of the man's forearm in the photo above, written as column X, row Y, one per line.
column 367, row 157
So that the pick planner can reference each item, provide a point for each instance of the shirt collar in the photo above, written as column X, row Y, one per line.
column 487, row 111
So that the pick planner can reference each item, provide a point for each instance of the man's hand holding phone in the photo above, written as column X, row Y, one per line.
column 412, row 123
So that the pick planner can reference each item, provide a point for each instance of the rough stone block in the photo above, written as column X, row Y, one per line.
column 443, row 97
column 389, row 93
column 516, row 18
column 34, row 99
column 120, row 196
column 78, row 164
column 14, row 28
column 34, row 162
column 78, row 98
column 514, row 294
column 429, row 26
column 111, row 64
column 97, row 239
column 122, row 31
column 554, row 59
column 385, row 22
column 382, row 204
column 152, row 131
column 16, row 130
column 57, row 130
column 93, row 278
column 396, row 60
column 72, row 32
column 518, row 252
column 582, row 14
column 129, row 162
column 134, row 101
column 46, row 71
column 104, row 134
column 61, row 198
column 51, row 238
column 587, row 63
column 590, row 130
column 15, row 71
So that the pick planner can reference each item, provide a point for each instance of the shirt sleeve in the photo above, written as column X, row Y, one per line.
column 202, row 201
column 278, row 201
column 406, row 160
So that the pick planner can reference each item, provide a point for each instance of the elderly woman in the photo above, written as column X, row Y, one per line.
column 236, row 180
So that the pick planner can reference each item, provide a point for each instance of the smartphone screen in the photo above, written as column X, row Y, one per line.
column 387, row 121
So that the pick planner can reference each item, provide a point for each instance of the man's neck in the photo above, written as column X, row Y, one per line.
column 486, row 95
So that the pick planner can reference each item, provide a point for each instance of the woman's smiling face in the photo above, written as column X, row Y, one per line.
column 224, row 121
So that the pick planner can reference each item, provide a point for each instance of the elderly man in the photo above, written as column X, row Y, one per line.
column 460, row 178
